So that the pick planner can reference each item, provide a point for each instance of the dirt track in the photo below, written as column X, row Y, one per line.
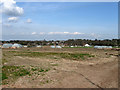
column 101, row 73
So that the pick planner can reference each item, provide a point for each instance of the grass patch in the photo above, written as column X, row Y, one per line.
column 4, row 76
column 13, row 72
column 54, row 64
column 73, row 56
column 4, row 61
column 34, row 69
column 40, row 69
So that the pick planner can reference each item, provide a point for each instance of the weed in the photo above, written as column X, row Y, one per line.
column 54, row 64
column 4, row 76
column 34, row 69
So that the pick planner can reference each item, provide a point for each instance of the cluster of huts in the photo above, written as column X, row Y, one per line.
column 15, row 45
column 97, row 47
column 11, row 46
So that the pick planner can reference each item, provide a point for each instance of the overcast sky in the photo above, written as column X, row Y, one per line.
column 59, row 20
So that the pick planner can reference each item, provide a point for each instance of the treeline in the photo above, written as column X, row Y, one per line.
column 73, row 42
column 106, row 42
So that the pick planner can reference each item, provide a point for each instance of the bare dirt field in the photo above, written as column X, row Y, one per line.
column 60, row 68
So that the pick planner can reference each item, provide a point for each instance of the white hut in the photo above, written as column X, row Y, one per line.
column 87, row 45
column 71, row 46
column 58, row 47
column 25, row 46
column 52, row 46
column 16, row 45
column 7, row 45
column 39, row 46
column 103, row 47
column 55, row 46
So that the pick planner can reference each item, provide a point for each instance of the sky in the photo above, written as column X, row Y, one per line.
column 59, row 20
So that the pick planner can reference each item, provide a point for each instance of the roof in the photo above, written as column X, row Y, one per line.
column 17, row 45
column 7, row 45
column 87, row 45
column 102, row 47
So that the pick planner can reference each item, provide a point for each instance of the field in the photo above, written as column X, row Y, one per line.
column 59, row 68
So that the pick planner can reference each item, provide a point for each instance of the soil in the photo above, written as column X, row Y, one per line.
column 100, row 71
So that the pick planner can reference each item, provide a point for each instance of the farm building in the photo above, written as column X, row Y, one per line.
column 55, row 46
column 7, row 45
column 87, row 45
column 38, row 46
column 58, row 47
column 25, row 46
column 16, row 45
column 103, row 47
column 52, row 46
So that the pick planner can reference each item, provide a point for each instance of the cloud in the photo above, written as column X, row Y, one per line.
column 10, row 8
column 64, row 33
column 59, row 33
column 29, row 21
column 56, row 33
column 33, row 33
column 42, row 33
column 12, row 19
column 77, row 33
column 0, row 22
